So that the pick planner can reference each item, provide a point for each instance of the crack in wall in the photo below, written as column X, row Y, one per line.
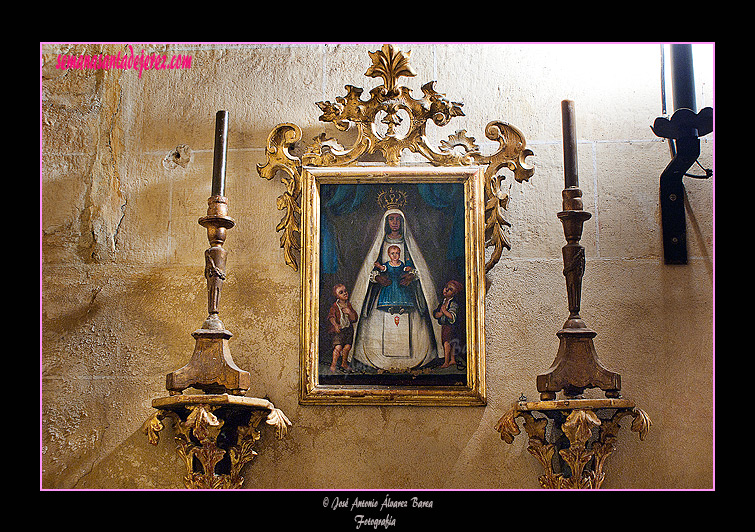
column 105, row 206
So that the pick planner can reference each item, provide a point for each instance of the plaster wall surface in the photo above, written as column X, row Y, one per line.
column 126, row 171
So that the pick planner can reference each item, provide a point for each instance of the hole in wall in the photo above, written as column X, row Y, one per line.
column 180, row 156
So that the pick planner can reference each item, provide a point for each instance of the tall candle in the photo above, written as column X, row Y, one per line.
column 221, row 147
column 568, row 125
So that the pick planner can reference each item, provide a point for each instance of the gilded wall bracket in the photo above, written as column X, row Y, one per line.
column 215, row 434
column 572, row 439
column 389, row 122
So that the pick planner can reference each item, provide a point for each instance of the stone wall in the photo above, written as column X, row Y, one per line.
column 126, row 171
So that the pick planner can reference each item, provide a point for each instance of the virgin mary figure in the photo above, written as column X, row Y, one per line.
column 395, row 331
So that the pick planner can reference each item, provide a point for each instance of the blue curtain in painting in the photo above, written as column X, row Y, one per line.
column 343, row 199
column 448, row 197
column 337, row 200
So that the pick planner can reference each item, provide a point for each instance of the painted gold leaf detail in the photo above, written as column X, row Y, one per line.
column 578, row 425
column 278, row 419
column 390, row 63
column 507, row 426
column 641, row 423
column 460, row 138
column 152, row 428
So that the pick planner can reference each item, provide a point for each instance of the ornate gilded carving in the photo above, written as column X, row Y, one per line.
column 204, row 438
column 377, row 121
column 390, row 63
column 584, row 458
column 279, row 158
column 578, row 429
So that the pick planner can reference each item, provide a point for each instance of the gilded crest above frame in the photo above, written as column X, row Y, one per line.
column 405, row 244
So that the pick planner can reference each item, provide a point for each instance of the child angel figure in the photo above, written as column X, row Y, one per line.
column 341, row 318
column 446, row 313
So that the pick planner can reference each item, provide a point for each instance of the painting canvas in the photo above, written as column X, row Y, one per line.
column 392, row 303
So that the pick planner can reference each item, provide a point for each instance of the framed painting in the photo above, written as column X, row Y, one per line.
column 393, row 285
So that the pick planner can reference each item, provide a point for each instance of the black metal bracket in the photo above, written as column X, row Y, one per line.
column 683, row 130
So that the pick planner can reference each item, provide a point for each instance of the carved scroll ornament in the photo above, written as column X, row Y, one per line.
column 390, row 104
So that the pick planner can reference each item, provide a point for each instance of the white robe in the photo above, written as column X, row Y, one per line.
column 395, row 341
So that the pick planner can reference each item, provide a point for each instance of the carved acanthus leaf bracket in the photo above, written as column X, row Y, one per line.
column 379, row 123
column 203, row 439
column 586, row 463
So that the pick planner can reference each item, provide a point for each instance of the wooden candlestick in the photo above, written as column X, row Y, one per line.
column 211, row 368
column 576, row 366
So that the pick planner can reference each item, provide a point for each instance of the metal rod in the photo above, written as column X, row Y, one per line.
column 663, row 81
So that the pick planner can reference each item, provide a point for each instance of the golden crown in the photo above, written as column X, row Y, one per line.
column 392, row 199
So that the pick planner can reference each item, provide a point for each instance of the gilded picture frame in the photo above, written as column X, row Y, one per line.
column 332, row 220
column 404, row 349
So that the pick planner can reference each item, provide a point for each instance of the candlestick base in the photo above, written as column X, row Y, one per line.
column 576, row 366
column 211, row 368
